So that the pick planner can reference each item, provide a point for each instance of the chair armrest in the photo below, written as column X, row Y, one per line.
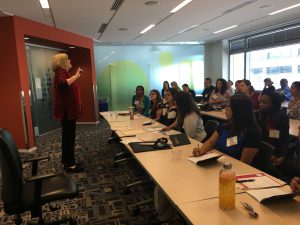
column 37, row 159
column 40, row 177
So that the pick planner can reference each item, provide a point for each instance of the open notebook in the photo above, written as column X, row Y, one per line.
column 271, row 194
column 207, row 158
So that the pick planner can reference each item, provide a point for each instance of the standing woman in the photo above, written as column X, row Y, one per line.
column 140, row 102
column 246, row 88
column 67, row 108
column 240, row 137
column 293, row 109
column 166, row 86
column 156, row 105
column 220, row 95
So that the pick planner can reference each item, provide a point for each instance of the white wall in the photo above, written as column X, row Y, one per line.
column 216, row 60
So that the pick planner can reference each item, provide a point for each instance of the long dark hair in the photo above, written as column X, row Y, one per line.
column 273, row 114
column 297, row 85
column 141, row 87
column 173, row 92
column 185, row 105
column 166, row 82
column 224, row 86
column 242, row 113
column 158, row 100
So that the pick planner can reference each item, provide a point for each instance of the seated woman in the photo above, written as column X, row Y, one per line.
column 140, row 102
column 169, row 111
column 166, row 86
column 240, row 137
column 246, row 88
column 221, row 94
column 175, row 86
column 295, row 183
column 293, row 109
column 155, row 105
column 189, row 118
column 274, row 125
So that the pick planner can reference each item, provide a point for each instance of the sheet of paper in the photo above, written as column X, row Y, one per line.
column 133, row 132
column 171, row 132
column 260, row 180
column 127, row 140
column 262, row 194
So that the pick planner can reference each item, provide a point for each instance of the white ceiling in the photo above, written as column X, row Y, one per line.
column 86, row 16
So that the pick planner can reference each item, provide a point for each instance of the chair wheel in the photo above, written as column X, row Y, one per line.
column 135, row 211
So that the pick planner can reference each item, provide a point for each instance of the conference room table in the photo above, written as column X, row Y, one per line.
column 220, row 115
column 193, row 189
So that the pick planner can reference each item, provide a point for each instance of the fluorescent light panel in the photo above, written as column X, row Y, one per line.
column 227, row 28
column 181, row 5
column 282, row 10
column 147, row 28
column 44, row 4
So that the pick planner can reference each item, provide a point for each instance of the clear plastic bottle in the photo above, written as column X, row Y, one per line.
column 227, row 187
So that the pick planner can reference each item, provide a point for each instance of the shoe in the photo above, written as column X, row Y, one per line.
column 76, row 169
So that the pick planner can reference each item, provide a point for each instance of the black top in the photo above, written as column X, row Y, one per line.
column 154, row 108
column 193, row 94
column 207, row 92
column 275, row 131
column 269, row 88
column 169, row 115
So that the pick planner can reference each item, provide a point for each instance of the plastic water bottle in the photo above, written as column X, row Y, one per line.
column 227, row 187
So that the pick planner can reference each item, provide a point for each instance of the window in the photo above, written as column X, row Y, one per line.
column 256, row 70
column 237, row 67
column 279, row 69
column 298, row 68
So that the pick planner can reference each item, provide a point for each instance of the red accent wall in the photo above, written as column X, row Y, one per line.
column 14, row 76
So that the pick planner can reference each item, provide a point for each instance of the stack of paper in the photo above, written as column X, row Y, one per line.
column 256, row 181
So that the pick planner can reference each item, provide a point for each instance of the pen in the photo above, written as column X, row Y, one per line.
column 243, row 181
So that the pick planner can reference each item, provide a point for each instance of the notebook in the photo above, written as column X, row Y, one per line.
column 205, row 159
column 271, row 194
column 138, row 147
column 179, row 139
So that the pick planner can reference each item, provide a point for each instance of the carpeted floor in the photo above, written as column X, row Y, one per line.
column 101, row 199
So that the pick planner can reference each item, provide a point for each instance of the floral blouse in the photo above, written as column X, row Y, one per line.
column 293, row 109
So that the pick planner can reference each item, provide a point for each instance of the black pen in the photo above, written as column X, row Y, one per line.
column 243, row 181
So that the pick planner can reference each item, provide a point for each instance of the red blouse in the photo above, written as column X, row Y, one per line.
column 255, row 100
column 67, row 100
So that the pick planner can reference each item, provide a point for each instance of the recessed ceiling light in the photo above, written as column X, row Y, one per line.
column 44, row 4
column 71, row 47
column 26, row 38
column 227, row 28
column 123, row 29
column 151, row 3
column 265, row 6
column 147, row 28
column 282, row 10
column 181, row 5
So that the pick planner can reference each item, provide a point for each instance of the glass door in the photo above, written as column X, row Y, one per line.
column 41, row 76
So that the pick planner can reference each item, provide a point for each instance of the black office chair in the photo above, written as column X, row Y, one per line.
column 262, row 159
column 19, row 194
column 210, row 127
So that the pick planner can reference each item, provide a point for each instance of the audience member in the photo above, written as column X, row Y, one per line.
column 236, row 84
column 284, row 90
column 293, row 109
column 175, row 86
column 166, row 86
column 169, row 113
column 246, row 88
column 295, row 183
column 220, row 95
column 208, row 89
column 140, row 102
column 268, row 86
column 186, row 88
column 156, row 105
column 240, row 137
column 229, row 87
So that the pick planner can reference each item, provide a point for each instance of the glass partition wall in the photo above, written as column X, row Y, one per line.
column 119, row 69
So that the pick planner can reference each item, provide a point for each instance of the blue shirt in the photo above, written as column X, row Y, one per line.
column 286, row 92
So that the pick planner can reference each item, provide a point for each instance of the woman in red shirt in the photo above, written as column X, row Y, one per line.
column 67, row 107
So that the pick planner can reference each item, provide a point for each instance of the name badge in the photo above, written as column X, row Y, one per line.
column 274, row 133
column 136, row 102
column 231, row 141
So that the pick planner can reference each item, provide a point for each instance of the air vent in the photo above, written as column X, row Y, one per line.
column 117, row 4
column 238, row 6
column 102, row 28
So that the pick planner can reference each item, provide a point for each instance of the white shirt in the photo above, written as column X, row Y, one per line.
column 193, row 126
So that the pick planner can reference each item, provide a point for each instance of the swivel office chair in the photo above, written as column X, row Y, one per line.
column 262, row 159
column 210, row 127
column 19, row 194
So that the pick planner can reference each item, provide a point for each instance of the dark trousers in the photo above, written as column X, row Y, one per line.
column 68, row 142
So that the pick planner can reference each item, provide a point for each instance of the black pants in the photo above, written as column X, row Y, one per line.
column 68, row 142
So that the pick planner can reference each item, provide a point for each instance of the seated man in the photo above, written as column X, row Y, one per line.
column 208, row 88
column 284, row 90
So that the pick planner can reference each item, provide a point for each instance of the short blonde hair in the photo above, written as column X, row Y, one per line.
column 59, row 61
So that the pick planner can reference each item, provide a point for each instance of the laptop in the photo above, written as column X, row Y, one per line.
column 179, row 139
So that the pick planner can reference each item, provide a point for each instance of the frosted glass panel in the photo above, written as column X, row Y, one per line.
column 119, row 69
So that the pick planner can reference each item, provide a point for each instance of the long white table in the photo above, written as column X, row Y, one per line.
column 193, row 190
